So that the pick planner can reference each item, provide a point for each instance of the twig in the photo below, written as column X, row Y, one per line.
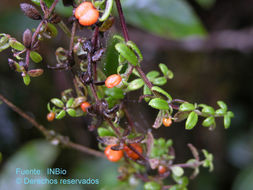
column 47, row 133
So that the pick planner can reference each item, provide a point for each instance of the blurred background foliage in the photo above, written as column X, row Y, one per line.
column 168, row 32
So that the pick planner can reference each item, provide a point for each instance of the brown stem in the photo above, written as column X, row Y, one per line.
column 122, row 20
column 47, row 133
column 73, row 31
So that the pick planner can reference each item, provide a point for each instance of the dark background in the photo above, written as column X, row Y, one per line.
column 218, row 67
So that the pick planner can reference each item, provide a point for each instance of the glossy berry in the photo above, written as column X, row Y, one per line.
column 50, row 116
column 86, row 14
column 131, row 153
column 113, row 155
column 162, row 169
column 84, row 106
column 113, row 80
column 167, row 121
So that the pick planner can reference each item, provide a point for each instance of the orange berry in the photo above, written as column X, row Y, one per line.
column 131, row 153
column 50, row 116
column 84, row 106
column 162, row 169
column 113, row 80
column 113, row 155
column 167, row 121
column 87, row 14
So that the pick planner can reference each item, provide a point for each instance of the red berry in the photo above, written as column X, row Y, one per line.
column 87, row 14
column 84, row 106
column 131, row 153
column 167, row 121
column 162, row 169
column 50, row 116
column 113, row 80
column 113, row 155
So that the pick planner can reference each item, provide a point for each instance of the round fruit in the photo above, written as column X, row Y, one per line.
column 167, row 121
column 50, row 116
column 113, row 80
column 84, row 106
column 113, row 155
column 162, row 169
column 131, row 153
column 87, row 14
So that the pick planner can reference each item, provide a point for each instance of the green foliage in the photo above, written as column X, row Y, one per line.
column 152, row 186
column 191, row 121
column 174, row 18
column 127, row 53
column 159, row 103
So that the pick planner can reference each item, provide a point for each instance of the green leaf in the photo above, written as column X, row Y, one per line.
column 161, row 91
column 230, row 114
column 127, row 53
column 159, row 103
column 208, row 121
column 152, row 186
column 108, row 10
column 16, row 45
column 207, row 109
column 48, row 2
column 119, row 38
column 222, row 105
column 170, row 19
column 186, row 107
column 208, row 162
column 191, row 120
column 36, row 57
column 57, row 102
column 4, row 42
column 160, row 81
column 166, row 72
column 70, row 102
column 146, row 91
column 135, row 48
column 71, row 112
column 26, row 79
column 227, row 121
column 220, row 112
column 115, row 93
column 103, row 132
column 177, row 171
column 111, row 58
column 152, row 75
column 61, row 114
column 52, row 30
column 135, row 84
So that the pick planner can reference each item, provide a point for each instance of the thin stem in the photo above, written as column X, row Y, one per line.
column 73, row 32
column 46, row 16
column 47, row 133
column 122, row 20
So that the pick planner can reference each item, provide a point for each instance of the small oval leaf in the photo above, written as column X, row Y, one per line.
column 152, row 75
column 135, row 85
column 61, row 114
column 191, row 120
column 208, row 122
column 71, row 112
column 227, row 121
column 159, row 103
column 16, row 45
column 36, row 57
column 177, row 171
column 160, row 81
column 161, row 91
column 127, row 53
column 166, row 72
column 57, row 102
column 186, row 107
column 135, row 48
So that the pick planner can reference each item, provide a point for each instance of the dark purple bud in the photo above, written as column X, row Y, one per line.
column 30, row 11
column 27, row 38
